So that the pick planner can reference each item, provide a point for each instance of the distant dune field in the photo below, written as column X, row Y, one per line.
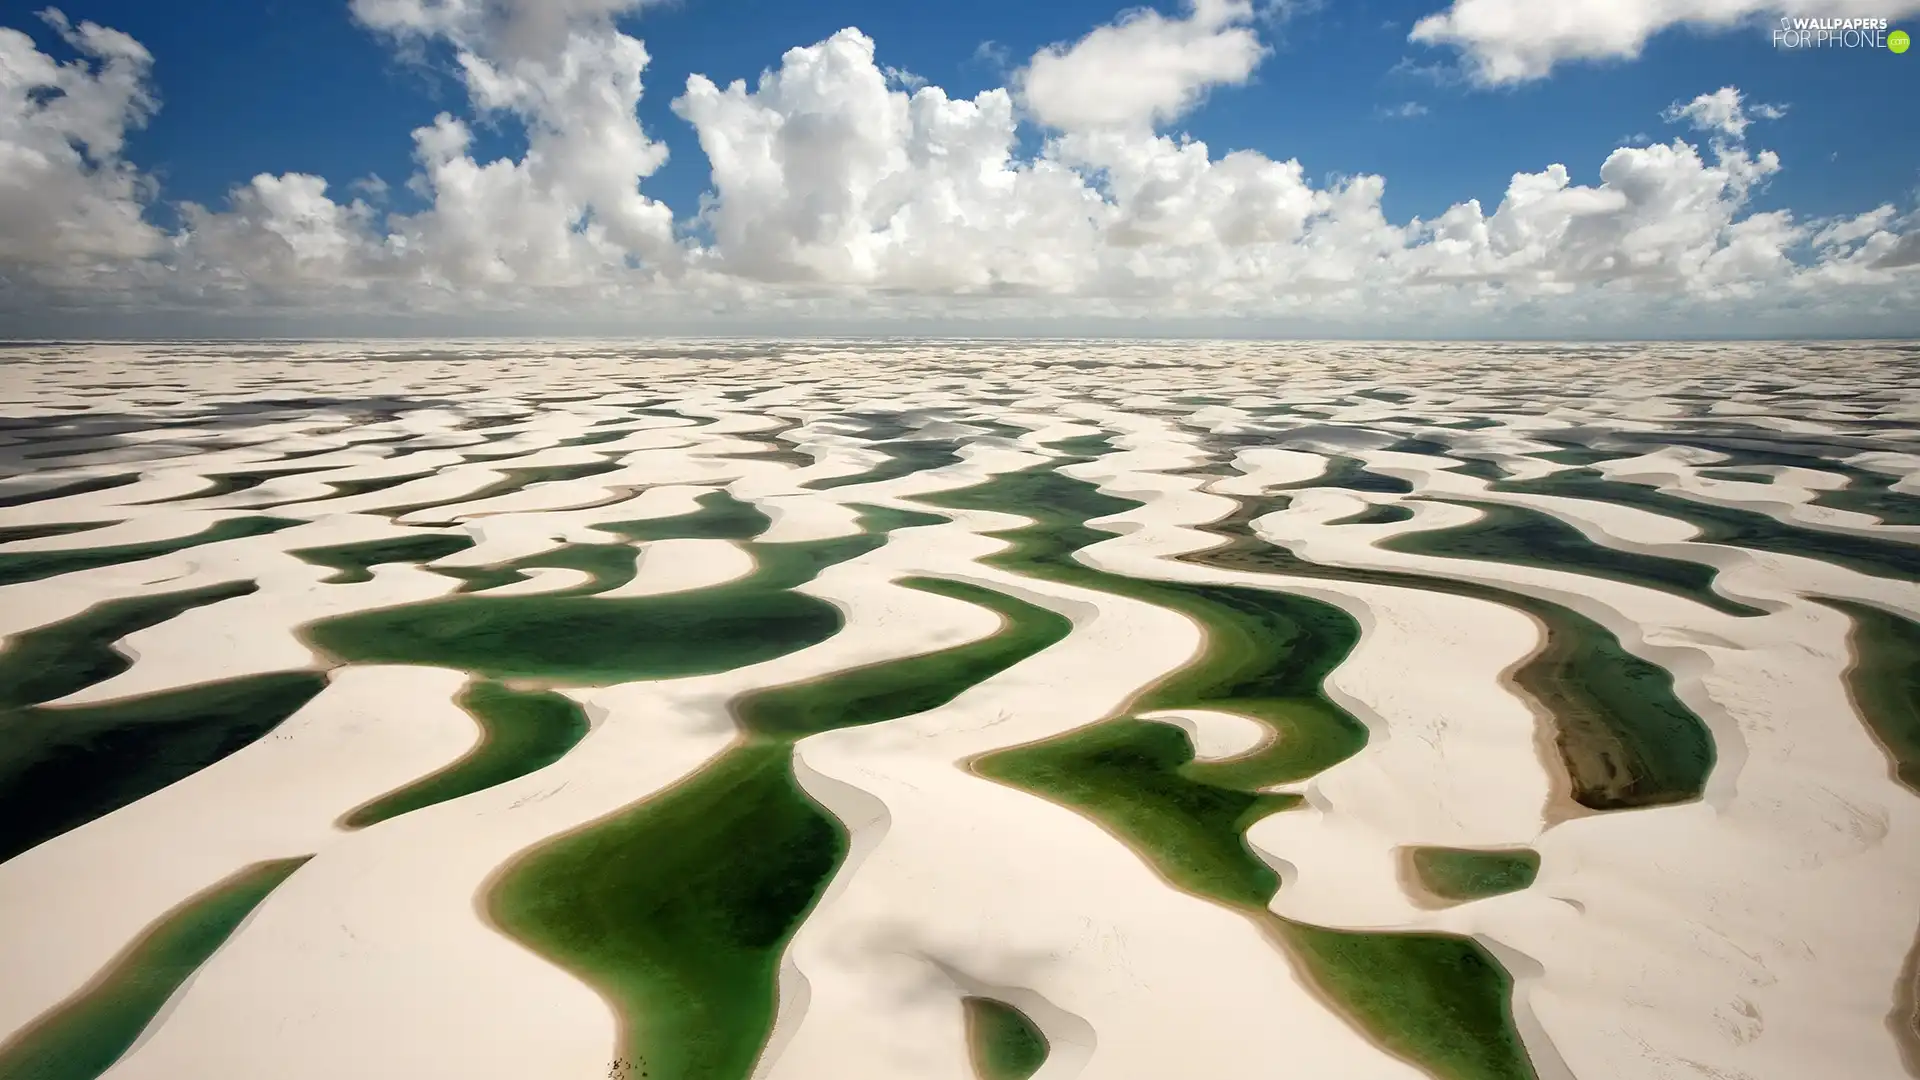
column 964, row 710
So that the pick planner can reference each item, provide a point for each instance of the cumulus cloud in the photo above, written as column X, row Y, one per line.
column 1511, row 41
column 1722, row 112
column 1144, row 69
column 826, row 173
column 839, row 185
column 564, row 214
column 1901, row 253
column 280, row 233
column 68, row 199
column 1661, row 215
column 510, row 29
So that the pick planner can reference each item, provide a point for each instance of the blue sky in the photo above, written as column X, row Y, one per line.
column 302, row 87
column 286, row 85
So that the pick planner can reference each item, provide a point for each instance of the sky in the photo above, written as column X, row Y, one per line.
column 1285, row 168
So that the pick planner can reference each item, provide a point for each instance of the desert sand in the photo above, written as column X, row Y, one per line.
column 1760, row 925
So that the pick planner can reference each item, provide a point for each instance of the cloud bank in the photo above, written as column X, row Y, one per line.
column 1512, row 41
column 841, row 190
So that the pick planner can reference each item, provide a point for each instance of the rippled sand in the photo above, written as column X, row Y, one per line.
column 912, row 709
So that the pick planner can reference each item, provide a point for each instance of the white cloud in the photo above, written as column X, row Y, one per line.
column 564, row 214
column 824, row 173
column 1510, row 41
column 840, row 188
column 1722, row 112
column 1406, row 110
column 1661, row 217
column 1902, row 253
column 68, row 199
column 509, row 29
column 280, row 235
column 1143, row 70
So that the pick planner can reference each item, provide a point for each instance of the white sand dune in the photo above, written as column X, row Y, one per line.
column 543, row 579
column 401, row 963
column 1756, row 934
column 668, row 566
column 148, row 528
column 444, row 486
column 1215, row 735
column 959, row 875
column 1785, row 671
column 256, row 634
column 88, row 892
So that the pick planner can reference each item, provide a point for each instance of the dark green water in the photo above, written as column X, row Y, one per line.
column 1885, row 683
column 1139, row 778
column 608, row 566
column 1082, row 446
column 1869, row 492
column 1378, row 514
column 1004, row 1044
column 795, row 457
column 1438, row 1000
column 1866, row 491
column 1468, row 874
column 522, row 731
column 63, row 767
column 896, row 688
column 904, row 458
column 232, row 483
column 354, row 563
column 597, row 438
column 61, row 491
column 678, row 908
column 343, row 489
column 1352, row 474
column 1525, row 537
column 720, row 517
column 582, row 639
column 19, row 566
column 586, row 640
column 15, row 533
column 83, row 1036
column 1625, row 738
column 55, row 660
column 1739, row 528
column 512, row 480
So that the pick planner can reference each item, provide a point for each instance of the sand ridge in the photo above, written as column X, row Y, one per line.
column 1757, row 932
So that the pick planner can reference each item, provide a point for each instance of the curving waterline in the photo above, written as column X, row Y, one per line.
column 352, row 564
column 1734, row 527
column 903, row 458
column 678, row 909
column 63, row 766
column 585, row 640
column 1438, row 1000
column 1884, row 682
column 522, row 731
column 1003, row 1043
column 1624, row 737
column 1457, row 875
column 83, row 1036
column 21, row 566
column 1522, row 536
